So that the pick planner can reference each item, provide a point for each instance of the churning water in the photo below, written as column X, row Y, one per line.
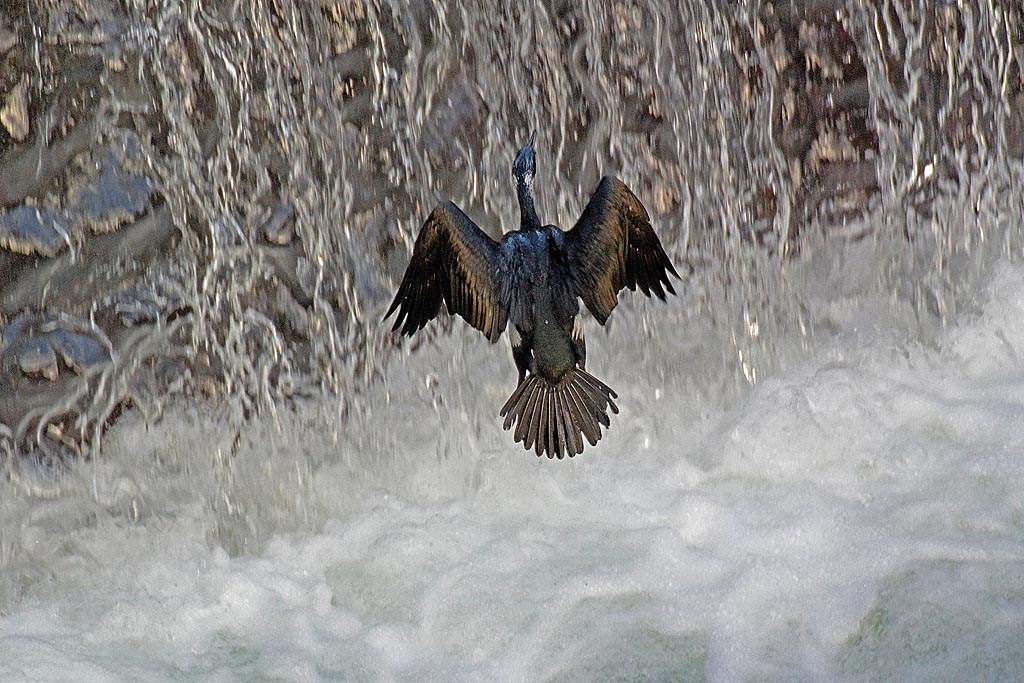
column 817, row 469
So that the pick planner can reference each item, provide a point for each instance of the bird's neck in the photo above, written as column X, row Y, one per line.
column 528, row 219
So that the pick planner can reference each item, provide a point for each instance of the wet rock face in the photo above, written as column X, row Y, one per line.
column 843, row 101
column 82, row 222
column 33, row 343
column 98, row 272
column 103, row 204
column 249, row 183
column 48, row 364
column 27, row 230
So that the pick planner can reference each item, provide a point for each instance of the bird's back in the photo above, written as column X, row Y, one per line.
column 540, row 297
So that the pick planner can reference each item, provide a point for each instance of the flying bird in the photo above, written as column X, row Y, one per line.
column 531, row 282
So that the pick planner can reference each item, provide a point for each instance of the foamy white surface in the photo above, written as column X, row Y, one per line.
column 859, row 517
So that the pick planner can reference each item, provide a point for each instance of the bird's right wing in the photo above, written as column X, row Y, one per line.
column 613, row 246
column 453, row 261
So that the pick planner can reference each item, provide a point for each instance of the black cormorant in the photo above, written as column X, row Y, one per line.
column 531, row 281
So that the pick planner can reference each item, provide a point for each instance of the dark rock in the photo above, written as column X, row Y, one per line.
column 33, row 356
column 112, row 200
column 27, row 230
column 33, row 341
column 80, row 352
column 279, row 227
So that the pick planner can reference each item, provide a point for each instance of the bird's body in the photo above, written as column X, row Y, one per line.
column 531, row 281
column 543, row 306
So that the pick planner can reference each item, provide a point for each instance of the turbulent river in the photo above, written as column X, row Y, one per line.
column 220, row 466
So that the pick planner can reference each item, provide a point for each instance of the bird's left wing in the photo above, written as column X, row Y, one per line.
column 613, row 246
column 453, row 261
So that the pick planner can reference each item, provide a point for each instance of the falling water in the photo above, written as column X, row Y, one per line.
column 813, row 475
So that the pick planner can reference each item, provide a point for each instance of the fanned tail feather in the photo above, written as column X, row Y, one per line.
column 554, row 419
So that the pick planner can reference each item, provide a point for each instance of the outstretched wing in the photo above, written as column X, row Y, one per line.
column 613, row 246
column 456, row 262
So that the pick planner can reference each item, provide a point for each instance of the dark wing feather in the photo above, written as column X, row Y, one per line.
column 456, row 262
column 613, row 246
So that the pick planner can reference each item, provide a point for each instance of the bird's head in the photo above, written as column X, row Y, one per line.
column 525, row 166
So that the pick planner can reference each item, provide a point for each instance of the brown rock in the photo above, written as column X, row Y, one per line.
column 14, row 115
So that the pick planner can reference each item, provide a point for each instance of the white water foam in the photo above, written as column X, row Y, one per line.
column 857, row 517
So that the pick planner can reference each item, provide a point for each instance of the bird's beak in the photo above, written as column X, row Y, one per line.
column 533, row 136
